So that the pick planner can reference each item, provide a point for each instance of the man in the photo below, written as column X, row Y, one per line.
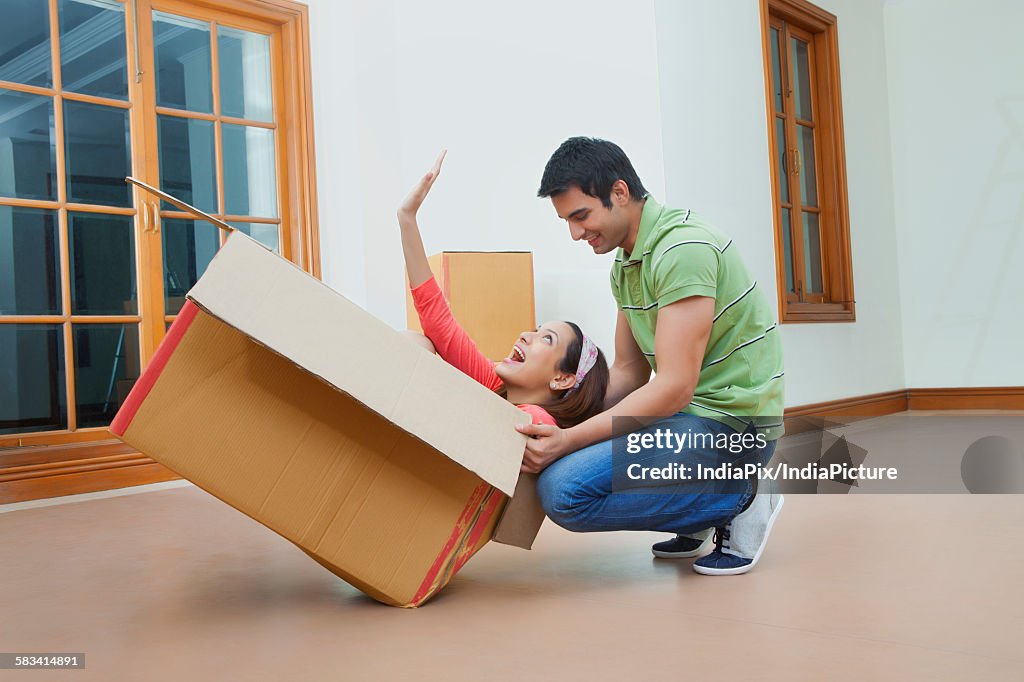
column 690, row 312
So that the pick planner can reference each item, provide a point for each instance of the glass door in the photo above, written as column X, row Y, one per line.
column 92, row 270
column 215, row 130
column 70, row 309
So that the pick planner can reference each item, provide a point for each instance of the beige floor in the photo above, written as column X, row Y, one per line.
column 176, row 585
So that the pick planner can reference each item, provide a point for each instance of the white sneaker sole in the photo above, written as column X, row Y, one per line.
column 703, row 570
column 685, row 555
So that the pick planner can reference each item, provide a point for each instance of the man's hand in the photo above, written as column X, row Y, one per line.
column 547, row 444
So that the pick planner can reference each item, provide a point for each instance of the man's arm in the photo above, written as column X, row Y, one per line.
column 630, row 370
column 681, row 338
column 679, row 344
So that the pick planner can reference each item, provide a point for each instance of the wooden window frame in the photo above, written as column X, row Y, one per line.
column 52, row 463
column 837, row 302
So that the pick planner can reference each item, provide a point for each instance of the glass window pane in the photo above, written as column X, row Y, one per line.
column 187, row 161
column 97, row 150
column 263, row 233
column 780, row 140
column 189, row 246
column 801, row 79
column 29, row 262
column 25, row 43
column 28, row 162
column 808, row 179
column 102, row 255
column 32, row 391
column 250, row 182
column 106, row 367
column 787, row 248
column 184, row 71
column 244, row 60
column 812, row 253
column 776, row 71
column 93, row 49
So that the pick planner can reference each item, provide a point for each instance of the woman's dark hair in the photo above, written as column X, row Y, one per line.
column 581, row 402
column 593, row 165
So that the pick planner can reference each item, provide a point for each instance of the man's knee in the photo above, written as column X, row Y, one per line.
column 561, row 503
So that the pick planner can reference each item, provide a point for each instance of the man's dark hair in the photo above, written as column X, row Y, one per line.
column 593, row 165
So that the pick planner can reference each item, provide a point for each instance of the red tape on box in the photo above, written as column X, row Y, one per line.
column 145, row 383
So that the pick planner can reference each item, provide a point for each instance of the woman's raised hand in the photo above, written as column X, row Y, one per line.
column 412, row 202
column 416, row 263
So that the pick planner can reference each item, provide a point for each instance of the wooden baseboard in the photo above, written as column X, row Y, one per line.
column 991, row 398
column 804, row 417
column 34, row 473
column 134, row 473
column 874, row 405
column 37, row 472
column 810, row 417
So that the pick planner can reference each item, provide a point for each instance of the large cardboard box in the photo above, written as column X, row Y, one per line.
column 282, row 398
column 490, row 294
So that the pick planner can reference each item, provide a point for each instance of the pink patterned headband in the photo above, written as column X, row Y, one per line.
column 588, row 356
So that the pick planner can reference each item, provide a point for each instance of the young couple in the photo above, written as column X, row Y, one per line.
column 690, row 313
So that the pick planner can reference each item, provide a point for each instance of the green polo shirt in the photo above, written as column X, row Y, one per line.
column 678, row 255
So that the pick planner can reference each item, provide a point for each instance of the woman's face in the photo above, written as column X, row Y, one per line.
column 535, row 357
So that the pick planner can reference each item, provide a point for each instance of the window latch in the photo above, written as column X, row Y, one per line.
column 135, row 41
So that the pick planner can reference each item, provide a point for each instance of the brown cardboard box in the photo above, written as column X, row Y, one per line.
column 490, row 294
column 298, row 408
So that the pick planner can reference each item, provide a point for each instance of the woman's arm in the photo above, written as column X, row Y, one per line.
column 420, row 340
column 412, row 244
column 449, row 339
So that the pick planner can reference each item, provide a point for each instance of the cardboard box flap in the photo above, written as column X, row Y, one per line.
column 523, row 515
column 275, row 303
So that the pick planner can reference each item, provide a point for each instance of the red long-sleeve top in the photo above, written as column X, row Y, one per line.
column 456, row 347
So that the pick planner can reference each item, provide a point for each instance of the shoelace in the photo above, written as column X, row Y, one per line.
column 722, row 539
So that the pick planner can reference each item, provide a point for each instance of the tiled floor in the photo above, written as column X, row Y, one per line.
column 175, row 585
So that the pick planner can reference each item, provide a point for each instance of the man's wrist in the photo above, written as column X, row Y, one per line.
column 572, row 440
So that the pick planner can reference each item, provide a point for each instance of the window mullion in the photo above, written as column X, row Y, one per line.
column 796, row 214
column 825, row 226
column 829, row 221
column 62, row 226
column 144, row 163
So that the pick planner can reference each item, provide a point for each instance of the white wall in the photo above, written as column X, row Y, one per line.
column 957, row 112
column 397, row 80
column 717, row 163
column 679, row 85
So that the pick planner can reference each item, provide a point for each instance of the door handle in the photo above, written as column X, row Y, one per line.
column 150, row 218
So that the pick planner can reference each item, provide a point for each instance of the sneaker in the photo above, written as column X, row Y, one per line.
column 683, row 546
column 738, row 545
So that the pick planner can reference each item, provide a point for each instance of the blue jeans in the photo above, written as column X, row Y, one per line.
column 577, row 493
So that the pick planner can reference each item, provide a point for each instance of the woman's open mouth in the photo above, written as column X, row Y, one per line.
column 517, row 355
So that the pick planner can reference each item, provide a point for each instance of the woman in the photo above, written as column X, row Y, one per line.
column 556, row 374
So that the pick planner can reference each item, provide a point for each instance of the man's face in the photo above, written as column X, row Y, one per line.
column 604, row 229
